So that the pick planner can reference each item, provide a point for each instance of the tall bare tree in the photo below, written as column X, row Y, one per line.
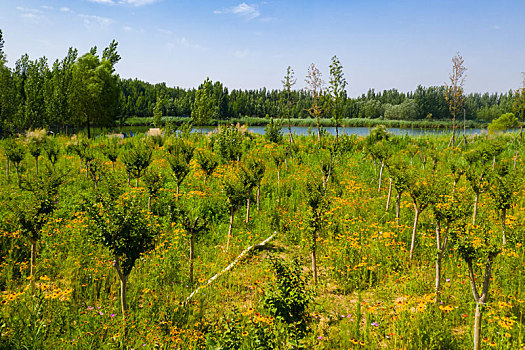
column 288, row 82
column 314, row 85
column 454, row 91
column 337, row 92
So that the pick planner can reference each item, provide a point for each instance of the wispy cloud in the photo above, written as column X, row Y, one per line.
column 496, row 27
column 165, row 31
column 243, row 53
column 125, row 2
column 31, row 14
column 243, row 9
column 96, row 22
column 183, row 42
column 66, row 9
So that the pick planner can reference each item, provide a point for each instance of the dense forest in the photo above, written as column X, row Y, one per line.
column 82, row 91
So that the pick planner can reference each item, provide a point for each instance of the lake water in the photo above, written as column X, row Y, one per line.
column 303, row 130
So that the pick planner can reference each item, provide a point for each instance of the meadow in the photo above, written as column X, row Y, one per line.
column 377, row 242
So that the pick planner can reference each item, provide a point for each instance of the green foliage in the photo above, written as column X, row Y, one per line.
column 123, row 227
column 504, row 122
column 289, row 297
column 227, row 143
column 137, row 159
column 273, row 131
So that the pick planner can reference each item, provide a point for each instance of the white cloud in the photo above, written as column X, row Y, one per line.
column 243, row 10
column 243, row 53
column 138, row 2
column 65, row 9
column 29, row 10
column 165, row 31
column 96, row 22
column 125, row 2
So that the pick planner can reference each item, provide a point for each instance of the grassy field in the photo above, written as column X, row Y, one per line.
column 157, row 213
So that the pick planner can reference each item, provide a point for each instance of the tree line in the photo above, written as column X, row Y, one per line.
column 84, row 91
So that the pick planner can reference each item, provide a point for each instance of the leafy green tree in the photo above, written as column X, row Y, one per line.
column 157, row 113
column 273, row 132
column 126, row 230
column 14, row 152
column 423, row 193
column 208, row 162
column 52, row 150
column 227, row 143
column 36, row 147
column 193, row 220
column 180, row 153
column 205, row 107
column 95, row 92
column 317, row 200
column 504, row 122
column 37, row 208
column 154, row 182
column 111, row 150
column 337, row 91
column 137, row 160
column 236, row 190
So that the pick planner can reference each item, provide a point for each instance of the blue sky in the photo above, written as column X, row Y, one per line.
column 381, row 44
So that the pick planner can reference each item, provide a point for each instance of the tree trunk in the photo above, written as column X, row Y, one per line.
column 137, row 183
column 441, row 243
column 149, row 203
column 380, row 175
column 314, row 256
column 480, row 299
column 414, row 231
column 247, row 210
column 192, row 255
column 503, row 219
column 258, row 195
column 475, row 210
column 398, row 206
column 477, row 326
column 389, row 194
column 177, row 191
column 278, row 177
column 515, row 160
column 230, row 229
column 32, row 269
column 123, row 294
column 129, row 179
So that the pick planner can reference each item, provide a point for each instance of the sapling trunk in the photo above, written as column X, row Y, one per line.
column 398, row 206
column 149, row 203
column 232, row 212
column 123, row 294
column 414, row 231
column 129, row 179
column 441, row 243
column 32, row 269
column 247, row 210
column 258, row 195
column 137, row 182
column 389, row 194
column 503, row 219
column 380, row 175
column 278, row 177
column 480, row 299
column 192, row 255
column 314, row 255
column 515, row 160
